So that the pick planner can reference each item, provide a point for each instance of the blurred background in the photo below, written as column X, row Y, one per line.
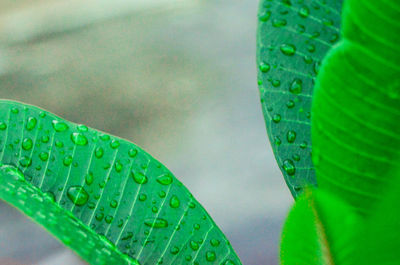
column 177, row 77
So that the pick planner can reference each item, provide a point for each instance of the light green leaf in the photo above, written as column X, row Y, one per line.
column 320, row 230
column 356, row 106
column 293, row 38
column 102, row 196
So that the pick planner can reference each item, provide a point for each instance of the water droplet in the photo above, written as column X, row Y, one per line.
column 99, row 152
column 264, row 67
column 154, row 209
column 31, row 123
column 311, row 47
column 113, row 204
column 265, row 16
column 15, row 110
column 288, row 49
column 156, row 222
column 114, row 144
column 59, row 126
column 334, row 38
column 25, row 161
column 291, row 136
column 78, row 195
column 275, row 83
column 290, row 104
column 194, row 245
column 118, row 166
column 277, row 23
column 214, row 242
column 3, row 126
column 304, row 12
column 79, row 139
column 99, row 216
column 296, row 157
column 229, row 262
column 210, row 256
column 142, row 197
column 289, row 167
column 67, row 160
column 109, row 219
column 44, row 156
column 89, row 178
column 27, row 144
column 82, row 128
column 277, row 140
column 45, row 139
column 196, row 226
column 139, row 178
column 296, row 87
column 276, row 118
column 174, row 250
column 165, row 179
column 303, row 145
column 174, row 202
column 132, row 152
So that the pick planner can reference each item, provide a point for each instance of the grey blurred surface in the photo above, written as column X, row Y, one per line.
column 181, row 83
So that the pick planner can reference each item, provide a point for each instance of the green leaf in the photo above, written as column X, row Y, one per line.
column 381, row 232
column 293, row 38
column 356, row 106
column 320, row 230
column 102, row 196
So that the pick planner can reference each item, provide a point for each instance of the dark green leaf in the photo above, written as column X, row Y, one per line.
column 293, row 37
column 103, row 196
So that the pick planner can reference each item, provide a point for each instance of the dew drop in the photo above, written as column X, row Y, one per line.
column 210, row 256
column 99, row 152
column 277, row 23
column 67, row 160
column 174, row 250
column 114, row 144
column 25, row 161
column 113, row 204
column 265, row 16
column 79, row 139
column 142, row 197
column 174, row 202
column 82, row 128
column 156, row 222
column 78, row 195
column 276, row 118
column 31, row 123
column 264, row 67
column 139, row 178
column 118, row 166
column 289, row 167
column 214, row 242
column 44, row 156
column 291, row 136
column 27, row 144
column 99, row 216
column 3, row 126
column 59, row 126
column 89, row 178
column 45, row 139
column 288, row 49
column 296, row 87
column 165, row 179
column 132, row 152
column 194, row 245
column 290, row 104
column 109, row 219
column 304, row 12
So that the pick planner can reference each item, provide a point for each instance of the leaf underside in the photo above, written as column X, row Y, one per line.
column 102, row 196
column 293, row 38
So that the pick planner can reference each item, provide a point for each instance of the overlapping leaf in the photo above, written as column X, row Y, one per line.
column 103, row 196
column 293, row 38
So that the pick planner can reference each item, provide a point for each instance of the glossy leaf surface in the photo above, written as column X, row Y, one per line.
column 103, row 196
column 293, row 38
column 320, row 230
column 356, row 106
